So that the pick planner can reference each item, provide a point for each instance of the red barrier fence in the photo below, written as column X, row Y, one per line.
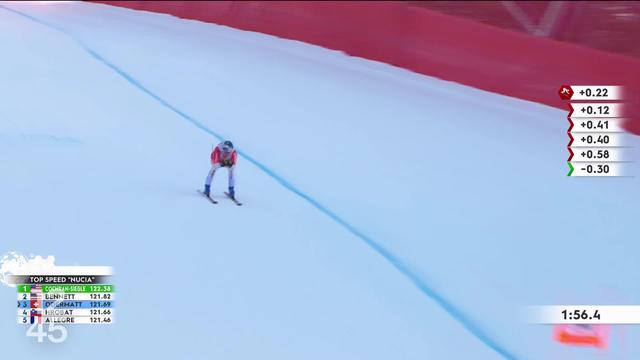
column 428, row 42
column 611, row 26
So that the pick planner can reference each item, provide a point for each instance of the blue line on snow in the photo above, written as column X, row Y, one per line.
column 453, row 311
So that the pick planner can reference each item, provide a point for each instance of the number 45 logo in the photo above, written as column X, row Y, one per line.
column 37, row 330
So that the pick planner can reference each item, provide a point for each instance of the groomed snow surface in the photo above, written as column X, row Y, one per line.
column 388, row 215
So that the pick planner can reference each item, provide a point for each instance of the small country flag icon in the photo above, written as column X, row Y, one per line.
column 565, row 92
column 36, row 316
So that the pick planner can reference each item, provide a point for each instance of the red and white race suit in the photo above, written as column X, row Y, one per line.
column 221, row 158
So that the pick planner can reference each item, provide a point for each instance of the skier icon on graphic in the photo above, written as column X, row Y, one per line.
column 223, row 155
column 566, row 92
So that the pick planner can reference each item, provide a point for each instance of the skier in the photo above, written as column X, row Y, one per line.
column 222, row 155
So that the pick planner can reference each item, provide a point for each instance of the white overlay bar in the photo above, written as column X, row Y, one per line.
column 595, row 92
column 601, row 125
column 70, row 296
column 70, row 320
column 599, row 169
column 584, row 314
column 69, row 312
column 598, row 139
column 597, row 110
column 604, row 154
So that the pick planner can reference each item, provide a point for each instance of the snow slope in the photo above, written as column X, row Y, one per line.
column 388, row 214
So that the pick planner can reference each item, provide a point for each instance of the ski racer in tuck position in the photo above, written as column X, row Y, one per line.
column 223, row 155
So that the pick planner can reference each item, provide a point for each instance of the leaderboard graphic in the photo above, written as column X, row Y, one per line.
column 69, row 295
column 597, row 144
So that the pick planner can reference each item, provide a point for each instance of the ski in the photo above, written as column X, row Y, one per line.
column 208, row 197
column 233, row 199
